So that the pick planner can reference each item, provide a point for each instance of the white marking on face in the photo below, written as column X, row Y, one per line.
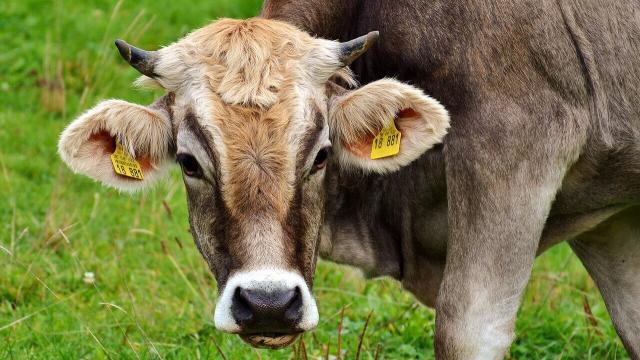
column 267, row 280
column 262, row 239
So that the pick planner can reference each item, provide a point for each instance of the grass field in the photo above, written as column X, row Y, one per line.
column 153, row 295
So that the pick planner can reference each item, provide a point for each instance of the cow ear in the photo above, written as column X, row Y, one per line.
column 145, row 134
column 358, row 116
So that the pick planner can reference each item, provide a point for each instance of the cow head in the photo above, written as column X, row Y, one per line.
column 253, row 115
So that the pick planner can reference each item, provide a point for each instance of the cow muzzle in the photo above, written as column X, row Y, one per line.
column 267, row 308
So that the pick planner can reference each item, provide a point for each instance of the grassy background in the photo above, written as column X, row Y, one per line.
column 153, row 295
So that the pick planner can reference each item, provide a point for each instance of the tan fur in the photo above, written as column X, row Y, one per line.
column 246, row 62
column 260, row 176
column 252, row 70
column 249, row 61
column 362, row 113
column 143, row 131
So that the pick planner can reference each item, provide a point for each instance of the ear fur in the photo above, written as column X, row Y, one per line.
column 356, row 117
column 87, row 143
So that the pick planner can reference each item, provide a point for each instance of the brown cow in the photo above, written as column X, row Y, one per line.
column 543, row 148
column 253, row 116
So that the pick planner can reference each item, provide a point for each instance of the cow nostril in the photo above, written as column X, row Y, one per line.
column 242, row 308
column 293, row 312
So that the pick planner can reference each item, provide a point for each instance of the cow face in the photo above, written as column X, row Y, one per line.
column 253, row 116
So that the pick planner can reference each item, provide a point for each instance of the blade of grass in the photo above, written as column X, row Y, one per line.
column 303, row 349
column 215, row 343
column 378, row 349
column 364, row 329
column 99, row 343
column 100, row 294
column 18, row 321
column 339, row 350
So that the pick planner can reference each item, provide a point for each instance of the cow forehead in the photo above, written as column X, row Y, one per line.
column 248, row 62
column 259, row 150
column 258, row 163
column 258, row 105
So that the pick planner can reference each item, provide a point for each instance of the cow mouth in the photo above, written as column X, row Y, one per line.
column 269, row 340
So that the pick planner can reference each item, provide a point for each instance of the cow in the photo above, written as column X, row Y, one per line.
column 256, row 117
column 543, row 148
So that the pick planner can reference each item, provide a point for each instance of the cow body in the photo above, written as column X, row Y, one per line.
column 544, row 147
column 275, row 142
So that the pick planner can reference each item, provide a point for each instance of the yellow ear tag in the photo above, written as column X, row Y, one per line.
column 124, row 164
column 386, row 143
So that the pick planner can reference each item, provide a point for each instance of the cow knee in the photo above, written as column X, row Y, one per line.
column 473, row 334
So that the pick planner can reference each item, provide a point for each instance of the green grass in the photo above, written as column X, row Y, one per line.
column 153, row 295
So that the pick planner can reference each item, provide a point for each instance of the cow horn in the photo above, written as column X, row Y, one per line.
column 142, row 60
column 351, row 50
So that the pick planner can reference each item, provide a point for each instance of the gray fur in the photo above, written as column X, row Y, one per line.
column 544, row 147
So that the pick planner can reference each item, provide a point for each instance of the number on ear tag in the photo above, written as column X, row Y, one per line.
column 387, row 142
column 124, row 164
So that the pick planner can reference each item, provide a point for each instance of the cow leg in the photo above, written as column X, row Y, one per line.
column 488, row 266
column 502, row 177
column 611, row 254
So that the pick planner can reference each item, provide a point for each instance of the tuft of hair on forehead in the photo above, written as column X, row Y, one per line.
column 259, row 176
column 249, row 62
column 254, row 62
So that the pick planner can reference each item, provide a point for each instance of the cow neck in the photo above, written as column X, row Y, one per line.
column 383, row 223
column 322, row 18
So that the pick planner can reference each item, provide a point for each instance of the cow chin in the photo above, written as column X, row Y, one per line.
column 269, row 341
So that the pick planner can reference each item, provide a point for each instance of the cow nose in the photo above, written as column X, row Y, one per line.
column 260, row 311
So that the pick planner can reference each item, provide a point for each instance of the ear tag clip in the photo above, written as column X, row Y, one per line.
column 124, row 164
column 387, row 142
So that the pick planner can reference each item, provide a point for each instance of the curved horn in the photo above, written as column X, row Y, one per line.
column 351, row 50
column 142, row 60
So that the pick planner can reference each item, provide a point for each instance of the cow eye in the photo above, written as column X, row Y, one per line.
column 321, row 159
column 189, row 165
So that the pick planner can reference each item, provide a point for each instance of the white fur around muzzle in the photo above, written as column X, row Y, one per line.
column 269, row 280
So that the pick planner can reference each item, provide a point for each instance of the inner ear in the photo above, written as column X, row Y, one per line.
column 104, row 143
column 406, row 114
column 405, row 121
